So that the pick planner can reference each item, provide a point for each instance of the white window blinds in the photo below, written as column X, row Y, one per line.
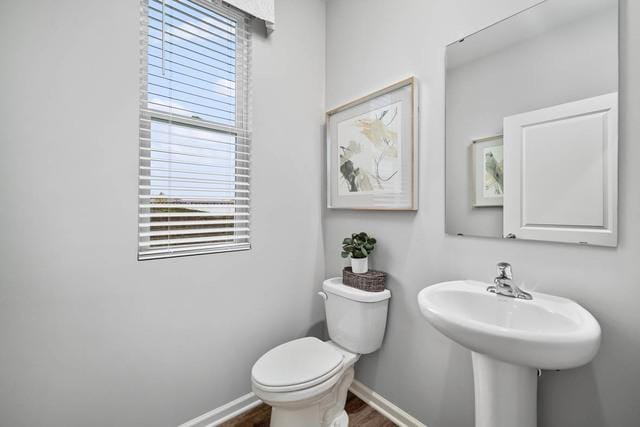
column 194, row 129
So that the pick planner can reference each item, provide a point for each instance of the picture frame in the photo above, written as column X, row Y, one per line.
column 487, row 162
column 372, row 161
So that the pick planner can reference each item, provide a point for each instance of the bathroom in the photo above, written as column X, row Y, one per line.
column 93, row 335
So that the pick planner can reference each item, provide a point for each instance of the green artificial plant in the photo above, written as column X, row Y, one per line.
column 359, row 245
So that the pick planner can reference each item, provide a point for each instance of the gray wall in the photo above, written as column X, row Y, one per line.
column 88, row 335
column 372, row 43
column 575, row 61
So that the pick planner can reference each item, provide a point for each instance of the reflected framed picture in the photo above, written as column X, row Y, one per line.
column 487, row 159
column 372, row 151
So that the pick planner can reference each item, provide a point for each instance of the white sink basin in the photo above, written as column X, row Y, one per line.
column 510, row 338
column 546, row 332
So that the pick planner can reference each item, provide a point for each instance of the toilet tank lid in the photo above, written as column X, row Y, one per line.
column 336, row 287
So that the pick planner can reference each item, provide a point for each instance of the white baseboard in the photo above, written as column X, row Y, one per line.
column 225, row 412
column 250, row 400
column 383, row 406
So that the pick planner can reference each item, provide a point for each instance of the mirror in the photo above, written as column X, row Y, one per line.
column 531, row 126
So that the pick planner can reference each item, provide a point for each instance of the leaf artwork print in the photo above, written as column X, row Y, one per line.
column 369, row 147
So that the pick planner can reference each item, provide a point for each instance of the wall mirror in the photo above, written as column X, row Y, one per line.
column 532, row 126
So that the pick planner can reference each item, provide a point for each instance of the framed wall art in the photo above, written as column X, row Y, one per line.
column 487, row 158
column 372, row 150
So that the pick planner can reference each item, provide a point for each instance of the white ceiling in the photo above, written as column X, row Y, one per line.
column 529, row 23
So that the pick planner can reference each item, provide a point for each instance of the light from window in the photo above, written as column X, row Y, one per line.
column 194, row 133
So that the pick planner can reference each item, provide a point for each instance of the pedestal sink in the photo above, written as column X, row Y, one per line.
column 510, row 339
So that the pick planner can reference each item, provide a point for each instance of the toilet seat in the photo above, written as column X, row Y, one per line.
column 297, row 365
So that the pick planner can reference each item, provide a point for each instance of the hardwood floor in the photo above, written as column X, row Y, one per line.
column 363, row 415
column 360, row 415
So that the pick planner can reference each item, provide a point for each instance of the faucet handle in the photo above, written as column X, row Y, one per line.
column 504, row 270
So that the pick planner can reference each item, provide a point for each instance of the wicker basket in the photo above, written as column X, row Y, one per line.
column 371, row 281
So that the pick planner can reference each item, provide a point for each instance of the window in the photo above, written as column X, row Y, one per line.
column 194, row 131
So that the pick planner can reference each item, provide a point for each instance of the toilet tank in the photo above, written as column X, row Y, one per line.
column 356, row 319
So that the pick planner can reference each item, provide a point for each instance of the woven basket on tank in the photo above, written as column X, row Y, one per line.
column 371, row 281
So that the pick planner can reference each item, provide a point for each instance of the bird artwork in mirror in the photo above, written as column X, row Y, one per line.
column 487, row 159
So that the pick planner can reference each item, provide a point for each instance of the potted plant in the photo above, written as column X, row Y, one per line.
column 358, row 247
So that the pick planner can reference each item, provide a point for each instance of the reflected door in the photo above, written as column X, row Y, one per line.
column 561, row 174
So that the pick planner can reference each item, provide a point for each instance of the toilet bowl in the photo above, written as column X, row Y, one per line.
column 306, row 380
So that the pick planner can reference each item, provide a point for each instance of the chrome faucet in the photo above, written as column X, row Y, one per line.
column 504, row 285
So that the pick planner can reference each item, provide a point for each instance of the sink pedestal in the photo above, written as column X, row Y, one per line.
column 505, row 394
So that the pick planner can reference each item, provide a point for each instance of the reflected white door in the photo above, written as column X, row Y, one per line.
column 561, row 172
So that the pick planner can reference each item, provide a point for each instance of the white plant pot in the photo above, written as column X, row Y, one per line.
column 360, row 265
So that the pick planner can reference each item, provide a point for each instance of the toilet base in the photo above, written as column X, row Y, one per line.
column 308, row 416
column 327, row 411
column 342, row 420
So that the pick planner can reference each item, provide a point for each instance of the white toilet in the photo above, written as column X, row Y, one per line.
column 306, row 380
